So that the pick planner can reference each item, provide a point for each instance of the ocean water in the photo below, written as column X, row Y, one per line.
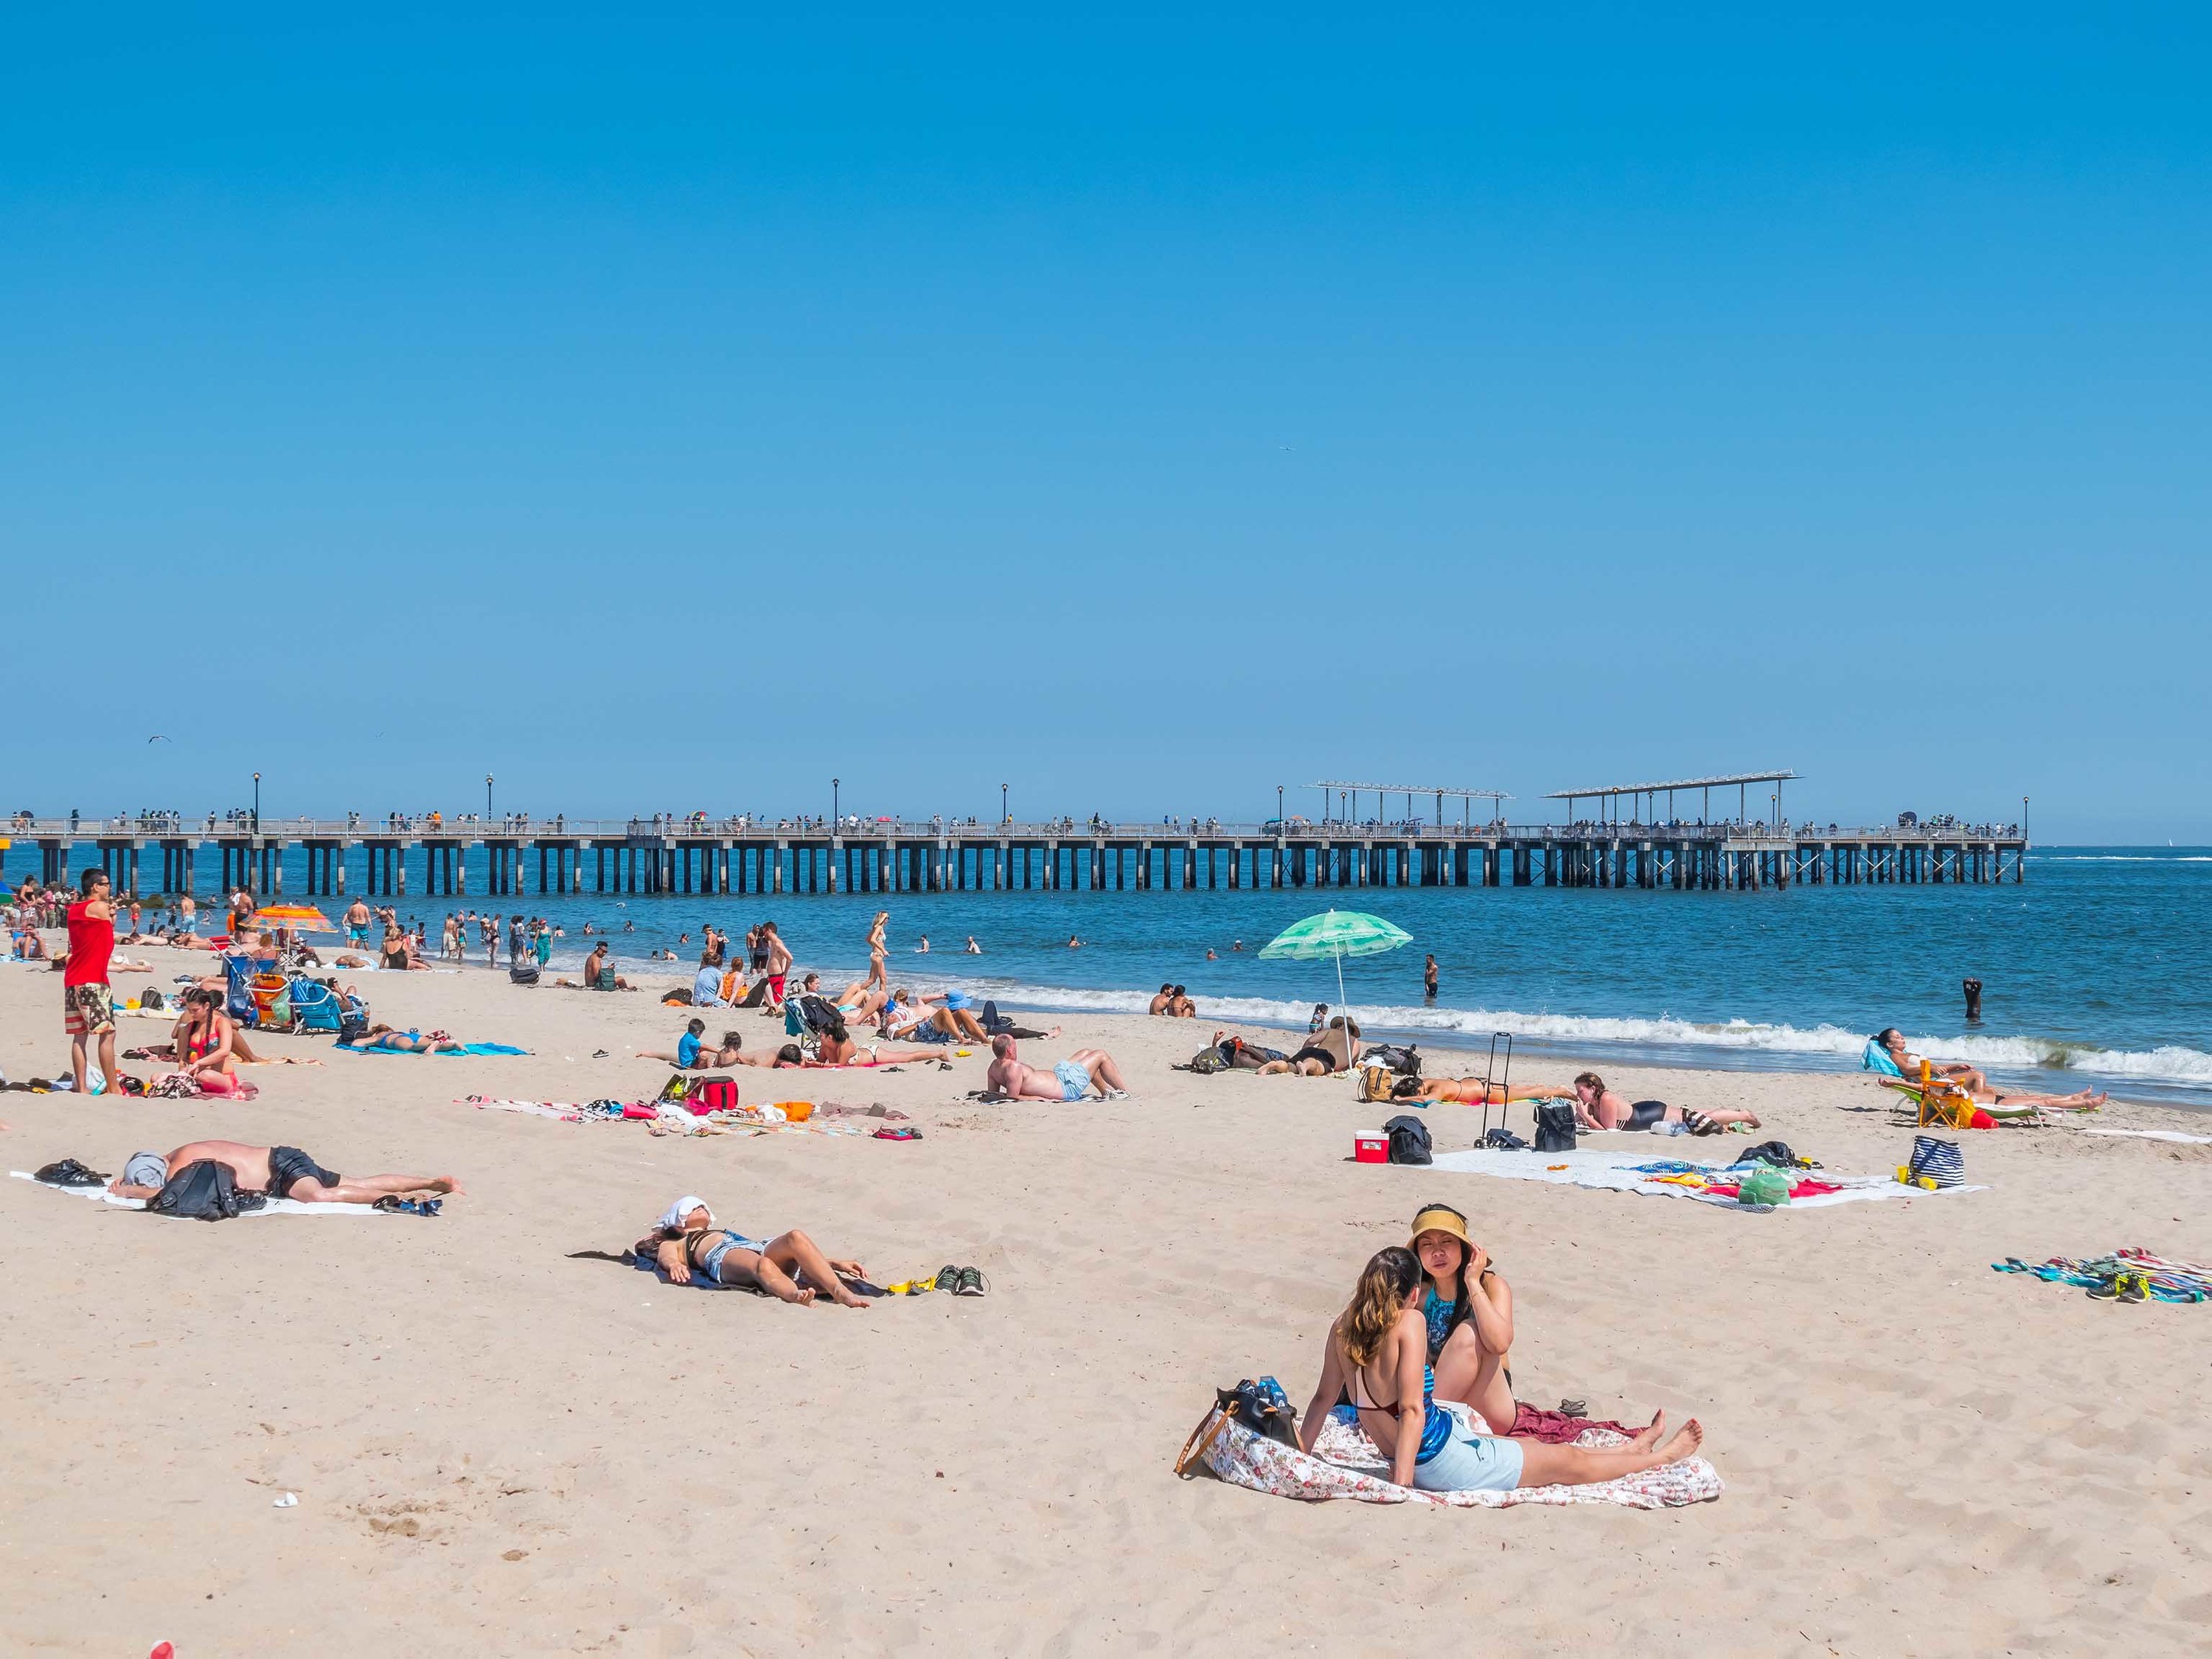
column 2095, row 970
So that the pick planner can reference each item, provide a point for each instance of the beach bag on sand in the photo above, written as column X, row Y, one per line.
column 1208, row 1061
column 1261, row 1406
column 1940, row 1160
column 714, row 1094
column 1409, row 1140
column 1400, row 1057
column 677, row 1089
column 1555, row 1128
column 203, row 1191
column 1377, row 1083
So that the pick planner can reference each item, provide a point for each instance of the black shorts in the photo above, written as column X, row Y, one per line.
column 1311, row 1052
column 288, row 1166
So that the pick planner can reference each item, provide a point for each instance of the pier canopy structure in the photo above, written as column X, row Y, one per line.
column 1348, row 809
column 1613, row 795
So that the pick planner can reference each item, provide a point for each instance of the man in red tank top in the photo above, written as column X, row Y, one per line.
column 88, row 1005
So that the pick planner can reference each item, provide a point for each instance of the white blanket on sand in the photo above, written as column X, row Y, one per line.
column 273, row 1207
column 1616, row 1172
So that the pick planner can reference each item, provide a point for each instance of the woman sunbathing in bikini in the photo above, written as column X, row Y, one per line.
column 688, row 1242
column 1965, row 1076
column 1374, row 1360
column 382, row 1035
column 1597, row 1107
column 1471, row 1090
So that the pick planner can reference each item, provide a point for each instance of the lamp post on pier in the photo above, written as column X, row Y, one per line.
column 486, row 798
column 257, row 803
column 836, row 820
column 1005, row 816
column 1279, row 806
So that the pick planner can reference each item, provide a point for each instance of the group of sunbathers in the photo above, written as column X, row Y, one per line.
column 1421, row 1354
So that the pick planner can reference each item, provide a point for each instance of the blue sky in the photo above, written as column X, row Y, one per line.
column 1142, row 410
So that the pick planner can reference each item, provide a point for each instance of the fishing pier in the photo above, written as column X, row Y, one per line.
column 694, row 855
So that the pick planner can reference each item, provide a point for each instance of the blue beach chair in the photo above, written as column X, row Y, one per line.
column 316, row 1007
column 238, row 997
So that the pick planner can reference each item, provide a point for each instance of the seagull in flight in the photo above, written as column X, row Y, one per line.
column 157, row 738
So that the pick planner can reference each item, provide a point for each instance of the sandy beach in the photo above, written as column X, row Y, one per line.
column 503, row 1445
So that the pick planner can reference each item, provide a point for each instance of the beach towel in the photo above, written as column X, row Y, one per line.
column 1346, row 1463
column 466, row 1048
column 1622, row 1172
column 2155, row 1134
column 1876, row 1059
column 273, row 1207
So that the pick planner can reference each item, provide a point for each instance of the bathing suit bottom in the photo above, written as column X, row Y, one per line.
column 1074, row 1079
column 1469, row 1461
column 288, row 1166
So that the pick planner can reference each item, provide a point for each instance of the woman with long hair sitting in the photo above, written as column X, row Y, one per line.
column 1375, row 1359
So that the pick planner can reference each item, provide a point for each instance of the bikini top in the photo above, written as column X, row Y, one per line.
column 1436, row 1423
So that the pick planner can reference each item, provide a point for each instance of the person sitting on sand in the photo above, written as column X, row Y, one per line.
column 1180, row 1006
column 1070, row 1079
column 382, row 1035
column 1161, row 1003
column 690, row 1055
column 1373, row 1360
column 919, row 1022
column 707, row 983
column 1908, row 1064
column 1469, row 1313
column 599, row 974
column 279, row 1172
column 686, row 1241
column 1319, row 1056
column 1597, row 1107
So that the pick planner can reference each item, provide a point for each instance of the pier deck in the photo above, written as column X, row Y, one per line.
column 740, row 856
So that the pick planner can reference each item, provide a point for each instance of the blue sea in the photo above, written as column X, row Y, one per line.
column 2094, row 969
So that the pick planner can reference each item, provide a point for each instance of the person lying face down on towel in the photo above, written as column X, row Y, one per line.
column 1376, row 1360
column 279, row 1172
column 1597, row 1107
column 1070, row 1079
column 1323, row 1054
column 687, row 1240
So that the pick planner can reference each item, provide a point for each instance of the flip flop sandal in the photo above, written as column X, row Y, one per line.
column 970, row 1283
column 393, row 1204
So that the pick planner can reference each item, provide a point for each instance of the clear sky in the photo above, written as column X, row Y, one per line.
column 1142, row 410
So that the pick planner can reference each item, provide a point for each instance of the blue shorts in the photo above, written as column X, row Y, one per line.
column 929, row 1034
column 1471, row 1462
column 712, row 1266
column 356, row 935
column 1074, row 1079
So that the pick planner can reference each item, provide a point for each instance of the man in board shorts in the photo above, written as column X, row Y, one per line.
column 356, row 925
column 88, row 1002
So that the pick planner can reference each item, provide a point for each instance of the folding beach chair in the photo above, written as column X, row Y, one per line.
column 1942, row 1103
column 237, row 996
column 316, row 1007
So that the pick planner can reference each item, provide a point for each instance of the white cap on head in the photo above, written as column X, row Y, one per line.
column 680, row 1211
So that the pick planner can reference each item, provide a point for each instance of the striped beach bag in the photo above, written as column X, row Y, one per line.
column 1938, row 1160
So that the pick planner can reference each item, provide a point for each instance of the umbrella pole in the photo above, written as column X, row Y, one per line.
column 1348, row 1046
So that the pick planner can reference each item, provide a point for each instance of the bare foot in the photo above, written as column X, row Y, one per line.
column 447, row 1185
column 1686, row 1441
column 802, row 1297
column 1648, row 1437
column 845, row 1298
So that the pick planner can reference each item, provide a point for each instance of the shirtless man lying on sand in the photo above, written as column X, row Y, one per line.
column 1070, row 1079
column 279, row 1172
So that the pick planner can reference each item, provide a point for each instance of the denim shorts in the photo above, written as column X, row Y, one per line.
column 1471, row 1462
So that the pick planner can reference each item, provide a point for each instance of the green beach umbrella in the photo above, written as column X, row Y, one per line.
column 1337, row 933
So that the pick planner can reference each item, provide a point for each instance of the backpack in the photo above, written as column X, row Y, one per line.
column 522, row 975
column 151, row 998
column 1555, row 1126
column 1499, row 1139
column 1404, row 1058
column 1208, row 1061
column 203, row 1191
column 1409, row 1140
column 1376, row 1082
